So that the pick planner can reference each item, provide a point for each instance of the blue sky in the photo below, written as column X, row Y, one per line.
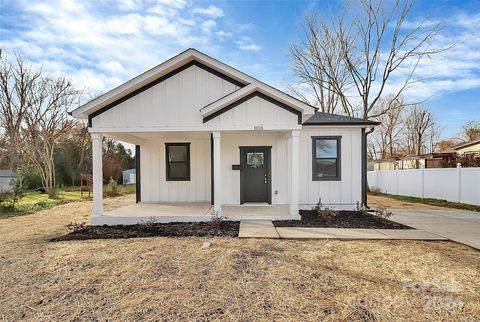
column 101, row 44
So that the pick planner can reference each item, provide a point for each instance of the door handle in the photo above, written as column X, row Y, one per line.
column 266, row 179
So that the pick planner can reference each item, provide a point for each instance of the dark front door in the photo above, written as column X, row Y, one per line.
column 255, row 174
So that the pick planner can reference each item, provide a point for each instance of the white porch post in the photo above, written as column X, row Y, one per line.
column 217, row 189
column 97, row 174
column 295, row 173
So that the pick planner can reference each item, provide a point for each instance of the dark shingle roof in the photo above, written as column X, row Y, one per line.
column 321, row 118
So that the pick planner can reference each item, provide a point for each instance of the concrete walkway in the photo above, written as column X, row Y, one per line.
column 265, row 229
column 456, row 225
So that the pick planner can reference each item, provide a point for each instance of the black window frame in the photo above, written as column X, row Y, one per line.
column 168, row 162
column 338, row 177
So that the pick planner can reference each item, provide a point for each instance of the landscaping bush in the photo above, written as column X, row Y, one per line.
column 18, row 189
column 324, row 211
column 112, row 188
column 31, row 177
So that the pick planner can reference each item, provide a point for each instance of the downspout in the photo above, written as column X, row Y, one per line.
column 364, row 165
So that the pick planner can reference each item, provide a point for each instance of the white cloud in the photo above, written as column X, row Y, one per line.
column 210, row 11
column 223, row 34
column 245, row 43
column 208, row 25
column 101, row 50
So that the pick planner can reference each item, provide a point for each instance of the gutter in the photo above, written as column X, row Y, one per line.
column 364, row 165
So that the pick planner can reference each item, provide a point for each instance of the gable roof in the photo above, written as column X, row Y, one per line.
column 466, row 144
column 321, row 118
column 170, row 67
column 259, row 89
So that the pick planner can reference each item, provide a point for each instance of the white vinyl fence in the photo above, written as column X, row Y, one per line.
column 452, row 184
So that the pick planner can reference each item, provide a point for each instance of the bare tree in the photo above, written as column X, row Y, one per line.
column 386, row 139
column 471, row 130
column 46, row 120
column 17, row 82
column 320, row 69
column 369, row 45
column 420, row 127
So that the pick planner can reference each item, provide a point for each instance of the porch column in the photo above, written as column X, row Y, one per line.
column 97, row 174
column 295, row 173
column 217, row 189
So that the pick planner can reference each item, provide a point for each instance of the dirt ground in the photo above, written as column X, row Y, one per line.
column 390, row 203
column 145, row 279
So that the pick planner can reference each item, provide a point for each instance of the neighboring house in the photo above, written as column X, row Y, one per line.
column 129, row 176
column 206, row 133
column 429, row 160
column 6, row 176
column 468, row 148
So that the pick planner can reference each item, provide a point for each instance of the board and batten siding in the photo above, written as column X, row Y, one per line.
column 343, row 194
column 155, row 187
column 174, row 102
column 255, row 111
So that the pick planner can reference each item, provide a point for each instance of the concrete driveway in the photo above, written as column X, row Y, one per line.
column 457, row 225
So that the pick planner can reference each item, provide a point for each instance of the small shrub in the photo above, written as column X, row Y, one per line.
column 361, row 208
column 374, row 191
column 18, row 189
column 150, row 223
column 112, row 188
column 75, row 226
column 216, row 218
column 323, row 211
column 4, row 196
column 383, row 212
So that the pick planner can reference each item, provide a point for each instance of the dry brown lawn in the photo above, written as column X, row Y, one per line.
column 174, row 279
column 391, row 203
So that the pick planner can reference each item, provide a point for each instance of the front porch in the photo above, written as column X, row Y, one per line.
column 190, row 211
column 215, row 181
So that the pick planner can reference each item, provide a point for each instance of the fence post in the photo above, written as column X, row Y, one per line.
column 459, row 183
column 423, row 183
column 396, row 181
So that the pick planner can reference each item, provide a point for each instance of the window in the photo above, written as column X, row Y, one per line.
column 325, row 158
column 178, row 161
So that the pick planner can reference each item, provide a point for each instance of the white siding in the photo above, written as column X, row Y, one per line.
column 173, row 102
column 155, row 187
column 342, row 194
column 255, row 111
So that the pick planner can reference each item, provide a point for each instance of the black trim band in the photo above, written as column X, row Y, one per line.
column 211, row 170
column 342, row 123
column 250, row 96
column 138, row 186
column 161, row 79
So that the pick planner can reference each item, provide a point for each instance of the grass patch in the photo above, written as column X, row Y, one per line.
column 176, row 279
column 36, row 201
column 431, row 201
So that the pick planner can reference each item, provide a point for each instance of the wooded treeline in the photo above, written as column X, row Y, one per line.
column 362, row 61
column 39, row 141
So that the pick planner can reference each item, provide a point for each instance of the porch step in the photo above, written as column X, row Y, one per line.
column 257, row 229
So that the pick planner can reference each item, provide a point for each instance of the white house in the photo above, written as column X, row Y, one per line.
column 211, row 139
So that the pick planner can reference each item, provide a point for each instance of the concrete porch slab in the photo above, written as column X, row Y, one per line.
column 257, row 229
column 304, row 233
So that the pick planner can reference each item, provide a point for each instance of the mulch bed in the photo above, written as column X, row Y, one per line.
column 176, row 229
column 343, row 219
